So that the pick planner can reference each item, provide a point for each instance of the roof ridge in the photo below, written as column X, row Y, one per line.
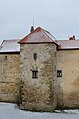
column 46, row 34
column 49, row 36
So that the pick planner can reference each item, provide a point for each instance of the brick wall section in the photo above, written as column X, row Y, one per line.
column 9, row 77
column 38, row 94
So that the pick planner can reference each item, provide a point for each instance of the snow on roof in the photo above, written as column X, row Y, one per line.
column 50, row 35
column 68, row 44
column 1, row 41
column 9, row 46
column 39, row 35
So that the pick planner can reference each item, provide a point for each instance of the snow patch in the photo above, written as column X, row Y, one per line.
column 11, row 111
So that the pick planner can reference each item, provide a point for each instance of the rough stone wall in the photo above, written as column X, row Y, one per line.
column 38, row 94
column 9, row 77
column 68, row 84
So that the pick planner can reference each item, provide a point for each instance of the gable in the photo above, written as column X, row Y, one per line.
column 39, row 35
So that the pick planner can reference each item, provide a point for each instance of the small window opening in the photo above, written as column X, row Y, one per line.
column 5, row 57
column 34, row 74
column 59, row 73
column 35, row 56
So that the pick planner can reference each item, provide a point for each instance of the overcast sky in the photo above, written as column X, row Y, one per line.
column 60, row 17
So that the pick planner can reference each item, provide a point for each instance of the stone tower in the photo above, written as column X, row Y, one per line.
column 38, row 71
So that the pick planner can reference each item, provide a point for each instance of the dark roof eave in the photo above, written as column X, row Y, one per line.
column 15, row 52
column 68, row 49
column 37, row 43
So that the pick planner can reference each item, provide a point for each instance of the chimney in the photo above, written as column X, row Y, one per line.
column 32, row 29
column 72, row 38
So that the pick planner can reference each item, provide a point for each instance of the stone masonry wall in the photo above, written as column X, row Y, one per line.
column 9, row 77
column 38, row 94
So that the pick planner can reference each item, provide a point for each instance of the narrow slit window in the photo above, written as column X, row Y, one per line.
column 5, row 57
column 35, row 74
column 35, row 56
column 59, row 73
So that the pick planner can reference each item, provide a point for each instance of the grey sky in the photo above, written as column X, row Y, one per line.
column 60, row 17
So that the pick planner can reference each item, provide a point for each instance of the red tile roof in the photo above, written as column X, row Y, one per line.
column 39, row 35
column 68, row 44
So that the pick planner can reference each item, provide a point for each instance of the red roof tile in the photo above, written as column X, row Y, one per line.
column 39, row 35
column 68, row 44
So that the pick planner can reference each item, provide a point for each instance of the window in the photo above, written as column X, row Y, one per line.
column 5, row 57
column 59, row 73
column 35, row 56
column 34, row 74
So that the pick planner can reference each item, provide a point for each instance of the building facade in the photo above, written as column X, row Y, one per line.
column 9, row 71
column 40, row 73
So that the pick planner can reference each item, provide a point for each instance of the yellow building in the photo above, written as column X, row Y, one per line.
column 68, row 73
